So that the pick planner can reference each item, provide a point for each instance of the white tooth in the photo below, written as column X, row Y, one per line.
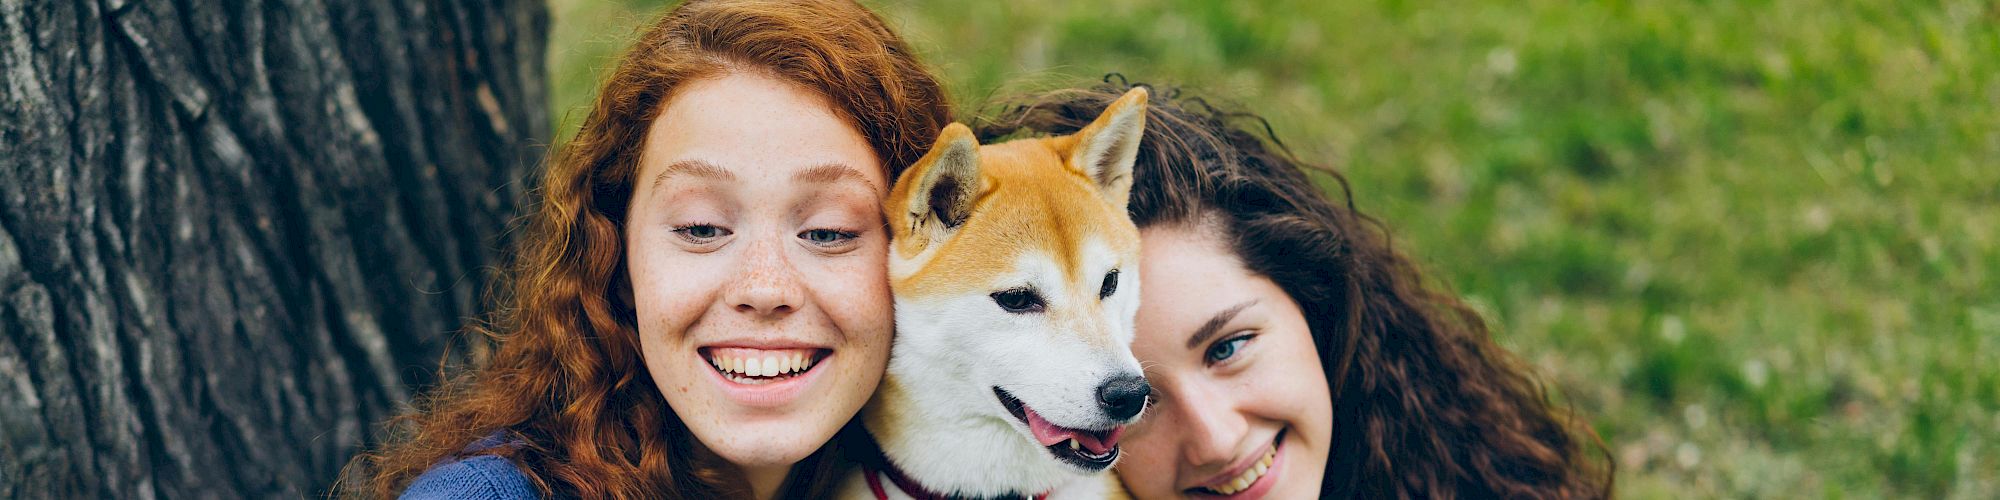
column 1237, row 485
column 798, row 361
column 784, row 364
column 1260, row 470
column 752, row 367
column 791, row 363
column 770, row 366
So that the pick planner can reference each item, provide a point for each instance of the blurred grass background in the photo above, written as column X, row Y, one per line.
column 1757, row 242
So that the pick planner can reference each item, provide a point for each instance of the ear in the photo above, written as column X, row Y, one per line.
column 936, row 195
column 1106, row 148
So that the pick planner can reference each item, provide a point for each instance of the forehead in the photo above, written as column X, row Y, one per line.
column 753, row 127
column 1177, row 300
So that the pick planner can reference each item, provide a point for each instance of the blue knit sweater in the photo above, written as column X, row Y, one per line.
column 480, row 477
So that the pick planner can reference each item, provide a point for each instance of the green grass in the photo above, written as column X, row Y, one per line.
column 1758, row 242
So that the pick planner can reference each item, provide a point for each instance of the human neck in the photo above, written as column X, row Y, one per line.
column 764, row 481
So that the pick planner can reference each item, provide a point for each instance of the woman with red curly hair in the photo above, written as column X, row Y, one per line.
column 699, row 305
column 1293, row 352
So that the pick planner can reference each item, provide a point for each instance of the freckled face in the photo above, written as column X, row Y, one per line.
column 1244, row 410
column 758, row 259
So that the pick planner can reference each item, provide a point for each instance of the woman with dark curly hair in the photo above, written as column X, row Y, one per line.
column 700, row 304
column 1293, row 352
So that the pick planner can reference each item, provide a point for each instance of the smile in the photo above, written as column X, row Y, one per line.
column 1247, row 478
column 1091, row 450
column 762, row 366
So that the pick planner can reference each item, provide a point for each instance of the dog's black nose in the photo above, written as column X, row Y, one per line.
column 1123, row 396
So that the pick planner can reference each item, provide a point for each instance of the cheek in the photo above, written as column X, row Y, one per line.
column 670, row 291
column 854, row 293
column 1148, row 464
column 1291, row 388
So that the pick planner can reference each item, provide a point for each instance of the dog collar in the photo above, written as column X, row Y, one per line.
column 910, row 487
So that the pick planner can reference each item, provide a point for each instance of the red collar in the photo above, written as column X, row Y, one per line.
column 907, row 485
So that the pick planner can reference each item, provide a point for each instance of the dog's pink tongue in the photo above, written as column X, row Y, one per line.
column 1046, row 433
column 1049, row 434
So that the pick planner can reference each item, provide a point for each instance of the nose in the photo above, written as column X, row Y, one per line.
column 768, row 286
column 1209, row 424
column 1123, row 396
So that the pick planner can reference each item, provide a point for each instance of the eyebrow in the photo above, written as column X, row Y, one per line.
column 833, row 172
column 1215, row 323
column 818, row 174
column 695, row 168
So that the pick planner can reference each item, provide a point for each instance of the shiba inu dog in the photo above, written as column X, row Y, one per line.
column 1015, row 273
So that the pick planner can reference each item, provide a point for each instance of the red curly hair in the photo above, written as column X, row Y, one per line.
column 1425, row 404
column 566, row 391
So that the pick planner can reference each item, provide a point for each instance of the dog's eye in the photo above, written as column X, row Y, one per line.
column 1019, row 300
column 1110, row 285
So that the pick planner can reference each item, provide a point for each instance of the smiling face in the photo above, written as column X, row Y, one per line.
column 757, row 257
column 1243, row 406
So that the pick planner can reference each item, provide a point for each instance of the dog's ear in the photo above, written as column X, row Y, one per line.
column 935, row 196
column 1106, row 148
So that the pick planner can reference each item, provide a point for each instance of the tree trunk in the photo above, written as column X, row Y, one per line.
column 237, row 234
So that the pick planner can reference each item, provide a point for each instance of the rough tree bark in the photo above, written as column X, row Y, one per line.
column 236, row 234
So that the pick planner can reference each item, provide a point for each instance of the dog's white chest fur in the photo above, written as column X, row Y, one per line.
column 1098, row 487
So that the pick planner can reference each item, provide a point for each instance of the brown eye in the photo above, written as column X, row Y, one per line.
column 1110, row 285
column 1019, row 300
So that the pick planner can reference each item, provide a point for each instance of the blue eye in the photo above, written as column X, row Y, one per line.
column 1226, row 349
column 827, row 237
column 700, row 233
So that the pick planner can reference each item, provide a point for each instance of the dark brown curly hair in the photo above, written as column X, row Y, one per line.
column 1425, row 404
column 566, row 395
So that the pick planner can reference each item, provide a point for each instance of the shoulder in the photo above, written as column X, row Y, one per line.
column 478, row 477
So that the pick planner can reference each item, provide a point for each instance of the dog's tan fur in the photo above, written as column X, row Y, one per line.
column 1054, row 202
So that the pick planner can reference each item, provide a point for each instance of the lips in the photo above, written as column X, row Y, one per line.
column 1091, row 450
column 762, row 366
column 1244, row 482
column 766, row 377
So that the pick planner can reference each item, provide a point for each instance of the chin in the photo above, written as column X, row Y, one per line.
column 749, row 428
column 763, row 452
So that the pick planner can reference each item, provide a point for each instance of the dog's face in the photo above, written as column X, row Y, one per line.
column 1015, row 272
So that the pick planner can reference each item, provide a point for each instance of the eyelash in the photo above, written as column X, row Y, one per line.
column 844, row 236
column 686, row 231
column 1237, row 344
